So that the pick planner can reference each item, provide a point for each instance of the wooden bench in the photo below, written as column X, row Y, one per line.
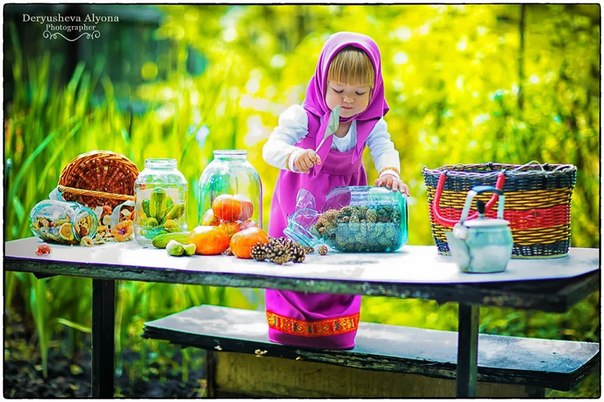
column 387, row 361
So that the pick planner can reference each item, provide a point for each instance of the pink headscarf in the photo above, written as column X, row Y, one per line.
column 315, row 104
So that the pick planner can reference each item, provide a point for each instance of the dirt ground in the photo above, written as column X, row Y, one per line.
column 69, row 373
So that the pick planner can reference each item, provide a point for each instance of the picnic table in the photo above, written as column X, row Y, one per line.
column 550, row 285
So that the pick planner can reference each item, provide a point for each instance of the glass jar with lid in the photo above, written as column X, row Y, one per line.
column 353, row 219
column 160, row 193
column 63, row 222
column 230, row 190
column 363, row 219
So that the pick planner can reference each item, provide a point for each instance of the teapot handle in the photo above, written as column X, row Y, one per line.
column 479, row 190
column 435, row 207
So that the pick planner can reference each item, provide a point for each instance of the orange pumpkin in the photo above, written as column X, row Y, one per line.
column 229, row 207
column 226, row 207
column 209, row 219
column 209, row 240
column 247, row 207
column 243, row 241
column 230, row 227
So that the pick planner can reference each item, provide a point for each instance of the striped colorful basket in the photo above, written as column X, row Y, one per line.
column 537, row 203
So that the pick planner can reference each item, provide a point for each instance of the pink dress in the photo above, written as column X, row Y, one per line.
column 318, row 320
column 314, row 320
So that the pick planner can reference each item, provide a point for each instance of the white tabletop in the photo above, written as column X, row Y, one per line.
column 411, row 264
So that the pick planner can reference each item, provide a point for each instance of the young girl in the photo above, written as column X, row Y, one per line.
column 348, row 75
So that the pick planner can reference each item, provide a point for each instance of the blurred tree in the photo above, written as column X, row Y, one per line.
column 466, row 83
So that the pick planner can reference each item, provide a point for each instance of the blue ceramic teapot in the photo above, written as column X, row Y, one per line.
column 482, row 244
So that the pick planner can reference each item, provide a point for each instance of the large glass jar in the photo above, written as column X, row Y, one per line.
column 230, row 191
column 62, row 221
column 363, row 219
column 160, row 193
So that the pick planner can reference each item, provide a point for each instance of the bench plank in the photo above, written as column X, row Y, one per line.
column 540, row 363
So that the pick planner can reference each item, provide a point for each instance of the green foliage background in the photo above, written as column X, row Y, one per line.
column 506, row 83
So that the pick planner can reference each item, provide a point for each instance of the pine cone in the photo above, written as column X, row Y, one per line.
column 279, row 255
column 371, row 215
column 298, row 254
column 322, row 249
column 286, row 242
column 259, row 252
column 277, row 252
column 281, row 259
column 270, row 252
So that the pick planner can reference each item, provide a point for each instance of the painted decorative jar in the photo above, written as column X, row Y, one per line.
column 62, row 221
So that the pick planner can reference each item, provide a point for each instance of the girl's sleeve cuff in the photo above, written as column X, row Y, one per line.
column 289, row 162
column 390, row 170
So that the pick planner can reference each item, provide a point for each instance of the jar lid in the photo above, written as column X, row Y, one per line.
column 161, row 163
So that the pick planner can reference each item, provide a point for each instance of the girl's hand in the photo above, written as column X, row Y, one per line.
column 391, row 181
column 306, row 160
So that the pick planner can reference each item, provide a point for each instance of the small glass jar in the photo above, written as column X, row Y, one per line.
column 363, row 219
column 230, row 190
column 62, row 221
column 160, row 193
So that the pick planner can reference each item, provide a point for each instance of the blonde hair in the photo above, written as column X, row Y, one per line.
column 351, row 66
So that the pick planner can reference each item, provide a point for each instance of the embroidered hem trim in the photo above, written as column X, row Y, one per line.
column 329, row 327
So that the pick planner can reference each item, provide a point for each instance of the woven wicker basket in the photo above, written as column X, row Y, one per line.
column 537, row 203
column 99, row 178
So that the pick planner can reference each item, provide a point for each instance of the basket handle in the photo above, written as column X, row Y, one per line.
column 439, row 191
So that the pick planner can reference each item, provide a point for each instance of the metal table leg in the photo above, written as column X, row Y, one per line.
column 103, row 343
column 467, row 350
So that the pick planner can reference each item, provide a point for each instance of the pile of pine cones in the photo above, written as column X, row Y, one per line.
column 359, row 228
column 281, row 250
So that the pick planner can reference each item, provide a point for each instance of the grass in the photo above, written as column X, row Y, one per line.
column 46, row 127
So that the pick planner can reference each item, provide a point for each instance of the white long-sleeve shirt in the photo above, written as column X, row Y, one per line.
column 293, row 126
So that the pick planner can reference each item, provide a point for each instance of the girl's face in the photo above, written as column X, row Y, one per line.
column 352, row 99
